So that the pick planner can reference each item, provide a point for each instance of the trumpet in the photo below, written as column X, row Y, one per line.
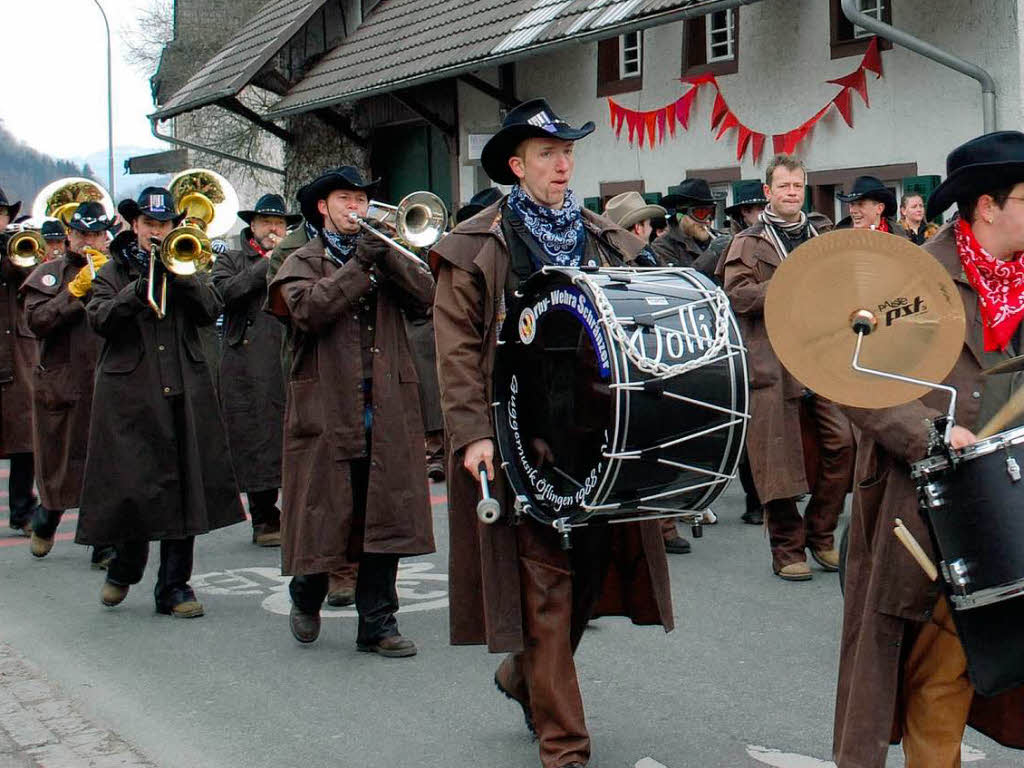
column 419, row 220
column 185, row 251
column 26, row 249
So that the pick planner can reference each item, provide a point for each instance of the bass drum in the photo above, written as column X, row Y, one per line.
column 619, row 394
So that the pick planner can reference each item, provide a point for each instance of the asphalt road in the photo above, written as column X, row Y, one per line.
column 751, row 667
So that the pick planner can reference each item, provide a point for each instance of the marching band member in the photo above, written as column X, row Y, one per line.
column 515, row 588
column 55, row 296
column 689, row 235
column 251, row 385
column 18, row 356
column 353, row 470
column 56, row 238
column 157, row 467
column 902, row 668
column 872, row 206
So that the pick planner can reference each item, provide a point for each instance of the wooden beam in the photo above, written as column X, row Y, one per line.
column 487, row 89
column 341, row 124
column 235, row 106
column 431, row 117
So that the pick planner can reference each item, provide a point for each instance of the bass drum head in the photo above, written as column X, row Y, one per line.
column 551, row 382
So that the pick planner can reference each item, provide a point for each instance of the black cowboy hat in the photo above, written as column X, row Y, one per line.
column 871, row 188
column 343, row 177
column 746, row 193
column 52, row 229
column 477, row 203
column 533, row 119
column 91, row 217
column 12, row 208
column 270, row 205
column 155, row 202
column 690, row 192
column 981, row 165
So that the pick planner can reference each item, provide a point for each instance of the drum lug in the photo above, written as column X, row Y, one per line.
column 931, row 495
column 955, row 574
column 520, row 508
column 1012, row 469
column 562, row 526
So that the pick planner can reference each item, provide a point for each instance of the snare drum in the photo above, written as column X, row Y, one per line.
column 976, row 512
column 619, row 394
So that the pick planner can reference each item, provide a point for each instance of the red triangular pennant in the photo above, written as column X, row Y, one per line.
column 632, row 121
column 779, row 143
column 730, row 121
column 873, row 59
column 844, row 105
column 699, row 80
column 855, row 80
column 617, row 117
column 670, row 118
column 684, row 106
column 718, row 111
column 742, row 140
column 661, row 125
column 651, row 122
column 758, row 146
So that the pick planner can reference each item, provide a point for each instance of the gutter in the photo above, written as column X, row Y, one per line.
column 210, row 150
column 852, row 12
column 496, row 59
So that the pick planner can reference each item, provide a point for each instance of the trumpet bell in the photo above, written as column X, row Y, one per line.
column 420, row 219
column 26, row 249
column 186, row 251
column 197, row 207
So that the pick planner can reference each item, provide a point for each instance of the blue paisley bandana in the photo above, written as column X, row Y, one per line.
column 560, row 233
column 339, row 244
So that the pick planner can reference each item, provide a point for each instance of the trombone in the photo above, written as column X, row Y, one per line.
column 185, row 251
column 26, row 248
column 419, row 219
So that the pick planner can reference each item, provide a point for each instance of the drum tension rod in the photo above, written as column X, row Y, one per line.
column 651, row 455
column 655, row 387
column 646, row 320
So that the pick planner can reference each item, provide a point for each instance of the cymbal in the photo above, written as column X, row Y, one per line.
column 1012, row 365
column 903, row 294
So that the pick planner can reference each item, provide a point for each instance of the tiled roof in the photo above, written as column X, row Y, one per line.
column 406, row 41
column 238, row 62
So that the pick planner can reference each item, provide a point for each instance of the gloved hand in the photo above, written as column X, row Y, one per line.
column 81, row 284
column 219, row 246
column 370, row 251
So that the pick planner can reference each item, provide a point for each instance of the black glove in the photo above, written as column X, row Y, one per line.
column 371, row 251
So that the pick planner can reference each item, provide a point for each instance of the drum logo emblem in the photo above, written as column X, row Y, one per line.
column 527, row 325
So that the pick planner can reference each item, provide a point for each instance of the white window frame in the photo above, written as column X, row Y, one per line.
column 873, row 8
column 729, row 42
column 631, row 65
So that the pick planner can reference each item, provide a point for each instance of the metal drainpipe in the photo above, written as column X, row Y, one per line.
column 851, row 10
column 212, row 151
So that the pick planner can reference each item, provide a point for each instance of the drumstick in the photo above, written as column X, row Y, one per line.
column 1010, row 411
column 907, row 540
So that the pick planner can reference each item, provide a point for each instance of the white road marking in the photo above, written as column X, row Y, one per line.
column 780, row 759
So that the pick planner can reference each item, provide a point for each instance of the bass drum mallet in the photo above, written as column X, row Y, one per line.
column 487, row 509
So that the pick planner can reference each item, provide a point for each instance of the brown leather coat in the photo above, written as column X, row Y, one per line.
column 63, row 381
column 19, row 354
column 251, row 384
column 675, row 248
column 324, row 417
column 484, row 580
column 156, row 468
column 887, row 594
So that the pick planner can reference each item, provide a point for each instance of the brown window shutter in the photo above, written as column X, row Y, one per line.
column 696, row 42
column 608, row 60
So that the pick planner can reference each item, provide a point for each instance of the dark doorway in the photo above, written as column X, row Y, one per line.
column 410, row 158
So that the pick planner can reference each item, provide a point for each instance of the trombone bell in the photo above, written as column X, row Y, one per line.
column 27, row 248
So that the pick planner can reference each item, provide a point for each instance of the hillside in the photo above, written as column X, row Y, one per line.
column 24, row 171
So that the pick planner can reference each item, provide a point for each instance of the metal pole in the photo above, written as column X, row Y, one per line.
column 110, row 108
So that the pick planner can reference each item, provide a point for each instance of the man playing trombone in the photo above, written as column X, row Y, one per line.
column 157, row 467
column 353, row 469
column 55, row 296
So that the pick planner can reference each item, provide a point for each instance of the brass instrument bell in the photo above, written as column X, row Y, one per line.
column 26, row 248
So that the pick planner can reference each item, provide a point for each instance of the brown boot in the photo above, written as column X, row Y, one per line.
column 341, row 591
column 267, row 535
column 113, row 594
column 828, row 559
column 794, row 572
column 395, row 647
column 40, row 547
column 305, row 626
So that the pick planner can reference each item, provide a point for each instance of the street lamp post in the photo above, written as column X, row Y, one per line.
column 110, row 108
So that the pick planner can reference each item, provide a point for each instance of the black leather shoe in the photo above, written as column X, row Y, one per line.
column 754, row 516
column 305, row 626
column 395, row 647
column 677, row 546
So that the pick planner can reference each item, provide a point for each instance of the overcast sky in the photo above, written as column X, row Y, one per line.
column 55, row 92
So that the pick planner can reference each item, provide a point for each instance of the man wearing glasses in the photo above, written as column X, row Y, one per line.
column 689, row 232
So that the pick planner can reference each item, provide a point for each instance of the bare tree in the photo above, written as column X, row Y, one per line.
column 144, row 40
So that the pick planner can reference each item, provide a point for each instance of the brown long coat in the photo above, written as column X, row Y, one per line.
column 63, row 381
column 472, row 264
column 251, row 384
column 776, row 454
column 153, row 471
column 887, row 594
column 324, row 416
column 19, row 355
column 675, row 248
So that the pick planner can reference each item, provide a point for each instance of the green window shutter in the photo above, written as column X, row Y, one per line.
column 652, row 198
column 673, row 190
column 592, row 204
column 736, row 185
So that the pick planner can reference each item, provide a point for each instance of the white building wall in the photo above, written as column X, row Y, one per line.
column 918, row 111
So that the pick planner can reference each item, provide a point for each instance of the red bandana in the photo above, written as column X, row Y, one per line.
column 883, row 226
column 256, row 247
column 999, row 285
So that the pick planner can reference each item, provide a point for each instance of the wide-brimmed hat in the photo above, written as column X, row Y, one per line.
column 689, row 193
column 343, row 177
column 53, row 229
column 533, row 119
column 91, row 216
column 270, row 205
column 871, row 188
column 12, row 208
column 477, row 203
column 746, row 193
column 155, row 202
column 981, row 165
column 630, row 208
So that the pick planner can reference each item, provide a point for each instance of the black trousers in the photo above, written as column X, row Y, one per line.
column 172, row 587
column 376, row 596
column 19, row 489
column 263, row 507
column 45, row 521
